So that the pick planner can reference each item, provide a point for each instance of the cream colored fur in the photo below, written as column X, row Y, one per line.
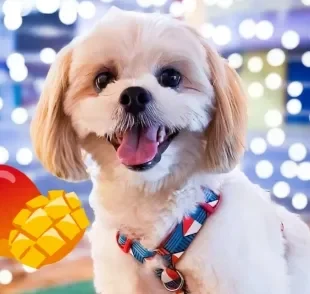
column 241, row 249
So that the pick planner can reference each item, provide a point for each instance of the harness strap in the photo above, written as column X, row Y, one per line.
column 175, row 245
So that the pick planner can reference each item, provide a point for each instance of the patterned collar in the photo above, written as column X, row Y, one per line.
column 175, row 245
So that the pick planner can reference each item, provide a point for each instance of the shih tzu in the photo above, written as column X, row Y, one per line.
column 163, row 118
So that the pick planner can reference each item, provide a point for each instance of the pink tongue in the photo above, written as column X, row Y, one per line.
column 138, row 146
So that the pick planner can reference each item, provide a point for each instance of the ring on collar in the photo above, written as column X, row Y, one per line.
column 172, row 279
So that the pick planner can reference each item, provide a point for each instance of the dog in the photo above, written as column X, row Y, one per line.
column 161, row 114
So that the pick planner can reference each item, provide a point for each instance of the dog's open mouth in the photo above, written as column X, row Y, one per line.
column 140, row 148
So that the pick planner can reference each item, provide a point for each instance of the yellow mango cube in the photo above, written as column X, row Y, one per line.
column 53, row 194
column 68, row 227
column 73, row 201
column 80, row 218
column 12, row 236
column 37, row 223
column 57, row 208
column 21, row 217
column 37, row 202
column 33, row 258
column 21, row 245
column 50, row 242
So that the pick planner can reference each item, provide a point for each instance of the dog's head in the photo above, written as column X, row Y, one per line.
column 140, row 92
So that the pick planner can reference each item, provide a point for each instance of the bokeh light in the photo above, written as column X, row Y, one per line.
column 303, row 172
column 6, row 277
column 273, row 81
column 47, row 6
column 19, row 115
column 256, row 90
column 258, row 146
column 255, row 64
column 299, row 201
column 294, row 106
column 15, row 60
column 12, row 7
column 247, row 29
column 222, row 35
column 235, row 60
column 276, row 137
column 273, row 118
column 24, row 156
column 19, row 74
column 295, row 89
column 68, row 12
column 264, row 30
column 48, row 55
column 281, row 189
column 12, row 22
column 264, row 169
column 306, row 59
column 276, row 57
column 289, row 169
column 297, row 152
column 290, row 39
column 4, row 155
column 87, row 9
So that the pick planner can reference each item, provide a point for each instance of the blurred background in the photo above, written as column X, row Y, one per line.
column 268, row 42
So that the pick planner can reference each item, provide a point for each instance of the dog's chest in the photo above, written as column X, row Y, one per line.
column 153, row 219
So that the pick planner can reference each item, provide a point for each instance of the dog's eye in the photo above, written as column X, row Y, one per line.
column 103, row 79
column 169, row 78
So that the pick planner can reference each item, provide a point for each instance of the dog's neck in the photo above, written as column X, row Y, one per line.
column 145, row 215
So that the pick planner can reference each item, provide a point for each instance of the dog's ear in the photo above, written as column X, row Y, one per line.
column 226, row 133
column 55, row 142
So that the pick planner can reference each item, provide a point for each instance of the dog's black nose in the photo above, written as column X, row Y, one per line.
column 135, row 99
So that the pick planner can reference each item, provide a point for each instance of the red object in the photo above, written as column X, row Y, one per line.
column 126, row 247
column 15, row 190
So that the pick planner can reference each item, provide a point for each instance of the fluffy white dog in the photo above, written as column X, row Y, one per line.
column 162, row 114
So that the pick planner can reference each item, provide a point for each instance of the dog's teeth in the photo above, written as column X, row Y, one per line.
column 119, row 138
column 161, row 134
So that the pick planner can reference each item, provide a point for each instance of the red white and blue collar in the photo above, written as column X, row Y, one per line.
column 175, row 245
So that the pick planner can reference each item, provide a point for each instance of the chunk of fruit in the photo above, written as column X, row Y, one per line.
column 37, row 202
column 80, row 218
column 50, row 241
